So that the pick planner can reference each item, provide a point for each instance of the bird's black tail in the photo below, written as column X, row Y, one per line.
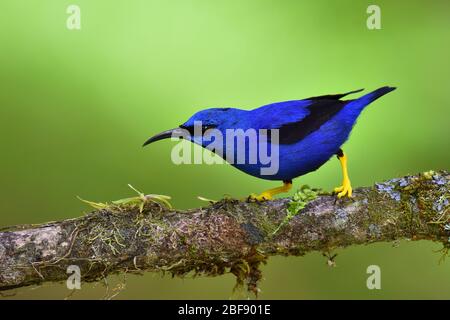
column 354, row 107
column 374, row 95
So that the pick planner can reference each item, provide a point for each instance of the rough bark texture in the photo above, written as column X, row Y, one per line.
column 228, row 236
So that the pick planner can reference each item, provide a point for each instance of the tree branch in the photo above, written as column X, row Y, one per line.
column 227, row 236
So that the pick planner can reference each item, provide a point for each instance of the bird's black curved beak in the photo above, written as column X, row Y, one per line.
column 177, row 132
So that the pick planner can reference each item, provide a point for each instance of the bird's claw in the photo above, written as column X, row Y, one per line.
column 265, row 196
column 344, row 190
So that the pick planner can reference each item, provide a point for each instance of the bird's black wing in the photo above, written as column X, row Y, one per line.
column 334, row 96
column 321, row 109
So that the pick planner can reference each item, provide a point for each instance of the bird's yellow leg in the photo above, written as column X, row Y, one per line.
column 268, row 194
column 346, row 188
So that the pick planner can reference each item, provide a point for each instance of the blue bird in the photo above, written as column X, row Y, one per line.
column 303, row 134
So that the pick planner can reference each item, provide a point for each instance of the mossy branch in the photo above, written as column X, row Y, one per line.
column 144, row 234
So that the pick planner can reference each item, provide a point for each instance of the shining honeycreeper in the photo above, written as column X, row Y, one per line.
column 305, row 133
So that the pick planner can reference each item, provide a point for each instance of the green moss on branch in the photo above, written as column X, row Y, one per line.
column 144, row 234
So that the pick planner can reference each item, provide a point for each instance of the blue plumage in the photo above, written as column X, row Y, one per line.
column 310, row 132
column 323, row 124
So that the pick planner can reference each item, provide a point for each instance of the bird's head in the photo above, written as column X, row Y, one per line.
column 199, row 124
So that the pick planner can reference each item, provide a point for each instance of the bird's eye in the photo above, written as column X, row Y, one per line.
column 203, row 128
column 207, row 127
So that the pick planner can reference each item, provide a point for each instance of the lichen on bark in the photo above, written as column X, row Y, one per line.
column 143, row 234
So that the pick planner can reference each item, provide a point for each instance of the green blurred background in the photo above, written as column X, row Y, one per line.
column 77, row 105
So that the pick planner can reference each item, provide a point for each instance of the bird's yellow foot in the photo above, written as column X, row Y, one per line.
column 344, row 190
column 268, row 195
column 265, row 196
